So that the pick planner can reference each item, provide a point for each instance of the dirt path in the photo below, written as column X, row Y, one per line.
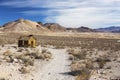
column 56, row 69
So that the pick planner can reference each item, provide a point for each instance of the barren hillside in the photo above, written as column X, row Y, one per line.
column 55, row 27
column 22, row 25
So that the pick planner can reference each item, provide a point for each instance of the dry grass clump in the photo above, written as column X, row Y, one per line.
column 47, row 55
column 8, row 56
column 36, row 54
column 81, row 69
column 85, row 74
column 78, row 55
column 102, row 61
column 26, row 60
column 71, row 51
column 8, row 59
column 44, row 54
column 8, row 53
column 77, row 65
column 81, row 66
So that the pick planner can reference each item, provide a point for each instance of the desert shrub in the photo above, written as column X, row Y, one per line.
column 47, row 55
column 42, row 55
column 71, row 51
column 85, row 74
column 78, row 55
column 44, row 50
column 37, row 55
column 9, row 58
column 89, row 64
column 77, row 65
column 8, row 53
column 27, row 60
column 102, row 61
column 81, row 70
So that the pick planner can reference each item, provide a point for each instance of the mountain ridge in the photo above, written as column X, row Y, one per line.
column 55, row 27
column 114, row 29
column 24, row 25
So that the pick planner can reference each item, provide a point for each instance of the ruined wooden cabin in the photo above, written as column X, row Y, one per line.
column 27, row 41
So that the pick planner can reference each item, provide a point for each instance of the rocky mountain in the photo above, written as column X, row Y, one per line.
column 115, row 29
column 85, row 29
column 55, row 27
column 81, row 29
column 22, row 25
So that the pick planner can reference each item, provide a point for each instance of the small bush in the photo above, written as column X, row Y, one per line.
column 71, row 51
column 37, row 55
column 85, row 74
column 8, row 53
column 47, row 55
column 82, row 69
column 44, row 50
column 78, row 55
column 27, row 60
column 102, row 61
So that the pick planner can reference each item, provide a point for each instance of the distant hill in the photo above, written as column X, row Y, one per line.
column 22, row 25
column 55, row 27
column 115, row 29
column 85, row 29
column 81, row 29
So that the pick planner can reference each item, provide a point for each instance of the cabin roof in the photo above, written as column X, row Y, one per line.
column 26, row 37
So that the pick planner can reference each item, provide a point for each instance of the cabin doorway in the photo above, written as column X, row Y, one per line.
column 32, row 44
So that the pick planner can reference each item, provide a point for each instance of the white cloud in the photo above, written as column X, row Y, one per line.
column 74, row 13
column 91, row 17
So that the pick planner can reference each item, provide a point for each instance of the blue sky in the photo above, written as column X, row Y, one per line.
column 69, row 13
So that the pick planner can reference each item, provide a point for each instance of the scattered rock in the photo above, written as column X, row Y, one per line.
column 24, row 70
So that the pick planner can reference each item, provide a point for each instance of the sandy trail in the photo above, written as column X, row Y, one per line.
column 56, row 68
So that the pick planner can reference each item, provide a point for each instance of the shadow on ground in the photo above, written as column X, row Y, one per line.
column 73, row 73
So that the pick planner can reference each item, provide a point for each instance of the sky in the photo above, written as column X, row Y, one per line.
column 68, row 13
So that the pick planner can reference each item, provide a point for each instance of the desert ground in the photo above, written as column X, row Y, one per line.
column 61, row 56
